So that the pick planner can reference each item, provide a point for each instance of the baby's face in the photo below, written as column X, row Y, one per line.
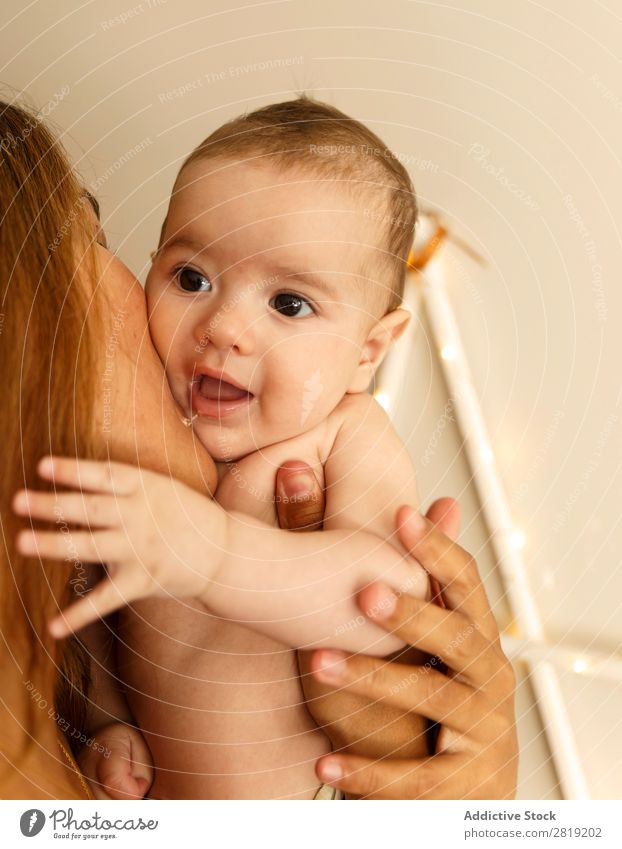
column 258, row 301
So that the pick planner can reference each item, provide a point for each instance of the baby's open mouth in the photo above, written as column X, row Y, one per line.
column 214, row 398
column 220, row 390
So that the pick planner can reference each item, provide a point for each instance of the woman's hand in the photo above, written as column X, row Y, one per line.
column 477, row 751
column 118, row 763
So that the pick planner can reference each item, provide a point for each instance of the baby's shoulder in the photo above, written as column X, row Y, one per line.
column 359, row 412
column 357, row 402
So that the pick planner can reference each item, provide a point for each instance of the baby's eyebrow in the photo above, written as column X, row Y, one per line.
column 312, row 278
column 183, row 242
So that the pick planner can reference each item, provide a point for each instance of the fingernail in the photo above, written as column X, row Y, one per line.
column 299, row 485
column 415, row 522
column 46, row 466
column 332, row 667
column 20, row 501
column 26, row 543
column 384, row 602
column 56, row 628
column 330, row 771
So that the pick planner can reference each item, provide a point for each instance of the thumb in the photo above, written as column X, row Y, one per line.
column 299, row 497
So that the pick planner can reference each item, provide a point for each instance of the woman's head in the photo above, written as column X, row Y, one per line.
column 47, row 352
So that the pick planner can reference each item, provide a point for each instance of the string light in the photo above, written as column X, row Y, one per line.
column 517, row 540
column 486, row 455
column 570, row 658
column 448, row 352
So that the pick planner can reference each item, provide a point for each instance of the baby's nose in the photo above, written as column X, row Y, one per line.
column 230, row 326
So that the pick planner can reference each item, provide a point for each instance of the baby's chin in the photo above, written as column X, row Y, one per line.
column 224, row 444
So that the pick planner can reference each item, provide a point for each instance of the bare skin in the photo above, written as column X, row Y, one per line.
column 127, row 773
column 489, row 746
column 477, row 748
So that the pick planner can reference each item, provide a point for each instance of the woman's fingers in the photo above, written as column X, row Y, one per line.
column 450, row 564
column 104, row 476
column 96, row 511
column 420, row 689
column 99, row 547
column 299, row 498
column 445, row 514
column 418, row 778
column 443, row 633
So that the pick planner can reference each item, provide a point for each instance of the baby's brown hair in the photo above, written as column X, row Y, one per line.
column 318, row 138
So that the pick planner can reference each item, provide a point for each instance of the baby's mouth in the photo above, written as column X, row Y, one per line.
column 214, row 398
column 219, row 390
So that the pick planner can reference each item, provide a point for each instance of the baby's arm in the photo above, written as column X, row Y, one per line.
column 161, row 538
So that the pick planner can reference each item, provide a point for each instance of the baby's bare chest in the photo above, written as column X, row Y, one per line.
column 249, row 485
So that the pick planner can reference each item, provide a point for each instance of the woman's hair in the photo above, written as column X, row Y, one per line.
column 48, row 335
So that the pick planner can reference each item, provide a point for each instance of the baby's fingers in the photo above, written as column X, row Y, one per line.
column 95, row 511
column 103, row 599
column 100, row 547
column 104, row 476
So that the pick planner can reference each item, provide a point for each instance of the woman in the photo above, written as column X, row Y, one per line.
column 81, row 377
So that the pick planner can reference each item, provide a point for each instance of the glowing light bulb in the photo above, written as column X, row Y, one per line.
column 580, row 665
column 486, row 455
column 517, row 540
column 448, row 352
column 513, row 630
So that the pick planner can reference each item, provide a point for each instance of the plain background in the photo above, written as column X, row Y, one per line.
column 509, row 118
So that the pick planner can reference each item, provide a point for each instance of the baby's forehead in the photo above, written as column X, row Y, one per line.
column 288, row 212
column 298, row 187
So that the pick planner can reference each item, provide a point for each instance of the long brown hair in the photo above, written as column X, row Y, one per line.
column 48, row 332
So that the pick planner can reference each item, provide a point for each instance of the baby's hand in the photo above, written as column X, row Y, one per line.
column 158, row 536
column 118, row 765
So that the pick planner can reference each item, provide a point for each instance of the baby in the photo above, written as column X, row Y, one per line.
column 273, row 298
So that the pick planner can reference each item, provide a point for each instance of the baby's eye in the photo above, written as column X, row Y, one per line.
column 287, row 303
column 193, row 281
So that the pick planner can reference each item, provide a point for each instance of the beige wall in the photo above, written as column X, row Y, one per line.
column 509, row 116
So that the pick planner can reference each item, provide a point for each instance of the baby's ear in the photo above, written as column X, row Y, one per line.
column 383, row 333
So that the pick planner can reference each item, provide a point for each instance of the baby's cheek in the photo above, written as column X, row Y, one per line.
column 319, row 384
